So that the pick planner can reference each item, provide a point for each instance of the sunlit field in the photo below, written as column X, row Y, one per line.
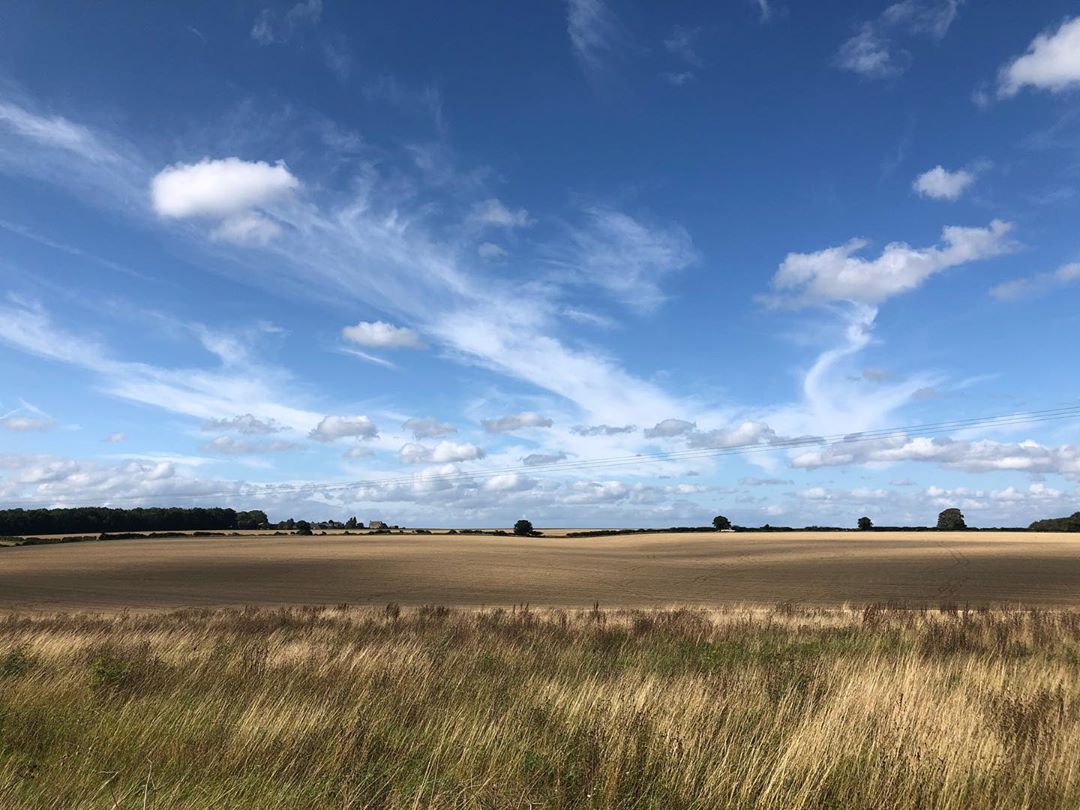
column 434, row 707
column 995, row 569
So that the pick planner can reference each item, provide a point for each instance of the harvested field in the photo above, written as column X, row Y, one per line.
column 931, row 568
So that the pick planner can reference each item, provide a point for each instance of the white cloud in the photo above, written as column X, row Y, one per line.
column 540, row 459
column 377, row 334
column 494, row 213
column 332, row 428
column 1052, row 62
column 57, row 132
column 237, row 385
column 626, row 257
column 509, row 482
column 247, row 229
column 968, row 455
column 835, row 274
column 517, row 421
column 116, row 438
column 941, row 184
column 244, row 423
column 25, row 424
column 669, row 428
column 601, row 430
column 873, row 51
column 746, row 433
column 428, row 427
column 230, row 446
column 442, row 453
column 1038, row 283
column 219, row 188
column 867, row 53
column 358, row 451
column 593, row 32
column 266, row 30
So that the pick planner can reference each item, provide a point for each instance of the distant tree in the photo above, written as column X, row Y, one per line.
column 721, row 523
column 1064, row 524
column 303, row 527
column 523, row 528
column 351, row 523
column 289, row 524
column 865, row 524
column 951, row 520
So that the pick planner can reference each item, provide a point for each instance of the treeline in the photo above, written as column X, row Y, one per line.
column 1062, row 524
column 99, row 519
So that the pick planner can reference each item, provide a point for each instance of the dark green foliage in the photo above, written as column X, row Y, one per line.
column 865, row 524
column 100, row 519
column 951, row 520
column 523, row 528
column 303, row 527
column 1063, row 524
column 721, row 523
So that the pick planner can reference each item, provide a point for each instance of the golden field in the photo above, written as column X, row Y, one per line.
column 648, row 570
column 441, row 708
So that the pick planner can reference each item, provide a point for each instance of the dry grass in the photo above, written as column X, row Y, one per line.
column 433, row 707
column 999, row 569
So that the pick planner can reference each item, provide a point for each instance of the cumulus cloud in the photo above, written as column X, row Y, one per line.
column 428, row 427
column 442, row 453
column 494, row 213
column 380, row 335
column 940, row 184
column 332, row 428
column 219, row 188
column 669, row 428
column 968, row 455
column 1052, row 62
column 1038, row 283
column 115, row 438
column 602, row 430
column 244, row 423
column 836, row 274
column 747, row 433
column 509, row 482
column 538, row 459
column 517, row 421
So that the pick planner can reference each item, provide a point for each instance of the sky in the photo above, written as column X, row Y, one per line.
column 591, row 263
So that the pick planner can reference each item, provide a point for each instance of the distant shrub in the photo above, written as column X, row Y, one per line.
column 523, row 528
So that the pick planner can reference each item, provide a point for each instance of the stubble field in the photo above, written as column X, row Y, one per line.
column 649, row 570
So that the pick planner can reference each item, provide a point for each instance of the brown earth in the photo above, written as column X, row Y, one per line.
column 1000, row 569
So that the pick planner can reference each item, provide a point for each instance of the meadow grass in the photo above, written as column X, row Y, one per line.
column 405, row 708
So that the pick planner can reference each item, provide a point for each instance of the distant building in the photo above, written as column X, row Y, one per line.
column 375, row 525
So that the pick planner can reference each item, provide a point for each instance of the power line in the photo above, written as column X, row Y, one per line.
column 1063, row 413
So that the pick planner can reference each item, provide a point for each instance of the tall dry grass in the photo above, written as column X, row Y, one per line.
column 339, row 708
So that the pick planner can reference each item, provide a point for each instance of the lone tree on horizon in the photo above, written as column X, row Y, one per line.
column 951, row 520
column 523, row 528
column 865, row 524
column 721, row 523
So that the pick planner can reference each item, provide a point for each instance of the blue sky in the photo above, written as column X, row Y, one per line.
column 437, row 264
